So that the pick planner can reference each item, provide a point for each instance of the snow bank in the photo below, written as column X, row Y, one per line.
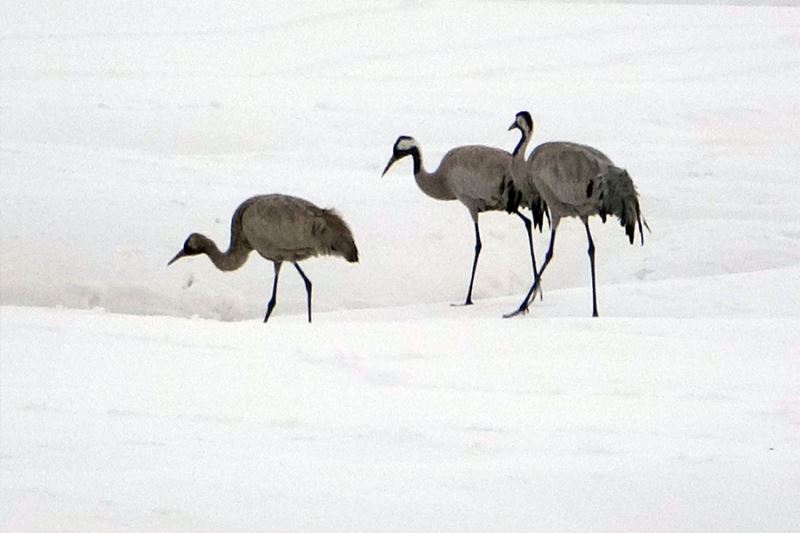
column 126, row 127
column 137, row 397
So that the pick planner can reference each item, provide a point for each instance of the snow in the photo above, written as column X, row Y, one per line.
column 136, row 397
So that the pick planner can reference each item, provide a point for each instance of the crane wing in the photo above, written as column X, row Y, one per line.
column 480, row 177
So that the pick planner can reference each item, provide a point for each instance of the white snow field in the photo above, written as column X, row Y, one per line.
column 136, row 397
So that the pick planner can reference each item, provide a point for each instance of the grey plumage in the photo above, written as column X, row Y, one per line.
column 576, row 180
column 477, row 176
column 280, row 228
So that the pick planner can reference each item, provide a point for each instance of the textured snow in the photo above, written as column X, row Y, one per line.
column 136, row 397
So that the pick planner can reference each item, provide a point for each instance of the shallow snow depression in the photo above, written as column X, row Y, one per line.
column 137, row 397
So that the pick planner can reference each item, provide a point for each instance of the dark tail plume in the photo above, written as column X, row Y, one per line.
column 335, row 236
column 535, row 203
column 617, row 195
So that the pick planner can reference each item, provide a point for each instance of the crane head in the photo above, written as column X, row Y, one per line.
column 403, row 146
column 522, row 122
column 193, row 246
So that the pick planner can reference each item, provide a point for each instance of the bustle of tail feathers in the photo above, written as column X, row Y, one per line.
column 511, row 195
column 617, row 195
column 539, row 210
column 335, row 237
column 514, row 200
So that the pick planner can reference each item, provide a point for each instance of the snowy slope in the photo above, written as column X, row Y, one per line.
column 136, row 397
column 128, row 129
column 450, row 423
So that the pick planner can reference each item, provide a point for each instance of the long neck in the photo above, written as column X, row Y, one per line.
column 518, row 164
column 431, row 184
column 232, row 259
column 522, row 145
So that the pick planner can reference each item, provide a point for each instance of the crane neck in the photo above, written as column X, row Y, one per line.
column 432, row 184
column 231, row 259
column 518, row 164
column 522, row 145
column 416, row 156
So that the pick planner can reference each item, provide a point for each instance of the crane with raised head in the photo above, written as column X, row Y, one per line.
column 574, row 180
column 477, row 176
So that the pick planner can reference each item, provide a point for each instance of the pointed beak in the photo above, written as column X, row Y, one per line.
column 178, row 256
column 389, row 164
column 512, row 126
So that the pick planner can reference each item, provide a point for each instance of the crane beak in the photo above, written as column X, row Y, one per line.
column 512, row 126
column 389, row 164
column 180, row 254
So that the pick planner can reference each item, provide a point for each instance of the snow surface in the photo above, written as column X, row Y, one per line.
column 136, row 397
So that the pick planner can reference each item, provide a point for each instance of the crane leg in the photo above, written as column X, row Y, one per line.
column 478, row 247
column 591, row 263
column 527, row 222
column 273, row 299
column 308, row 289
column 523, row 307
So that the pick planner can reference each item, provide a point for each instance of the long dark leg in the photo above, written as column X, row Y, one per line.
column 591, row 262
column 478, row 247
column 271, row 303
column 523, row 307
column 527, row 222
column 308, row 289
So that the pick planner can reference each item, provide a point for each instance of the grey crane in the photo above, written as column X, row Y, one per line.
column 280, row 228
column 576, row 181
column 477, row 176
